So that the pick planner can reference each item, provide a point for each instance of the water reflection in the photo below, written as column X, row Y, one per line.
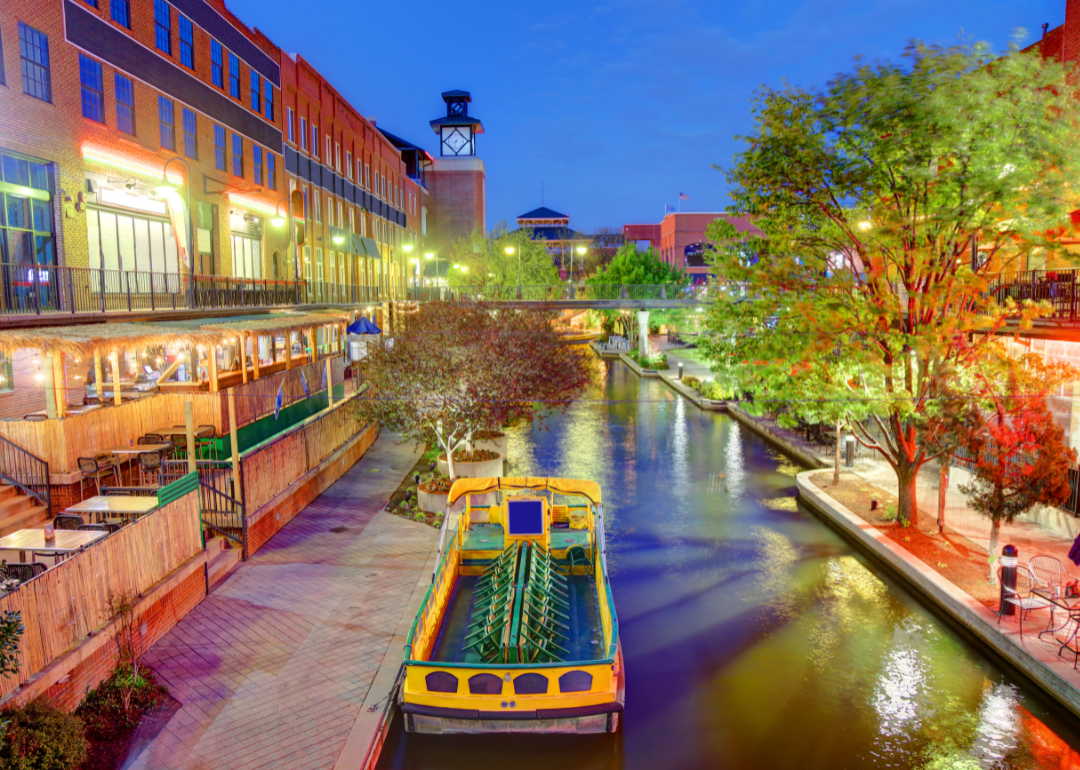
column 754, row 636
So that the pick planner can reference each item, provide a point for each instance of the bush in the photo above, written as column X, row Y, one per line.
column 103, row 708
column 477, row 456
column 439, row 485
column 40, row 737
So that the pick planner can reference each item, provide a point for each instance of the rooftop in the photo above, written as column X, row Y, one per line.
column 543, row 213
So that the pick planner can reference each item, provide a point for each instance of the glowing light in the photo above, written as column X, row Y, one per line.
column 865, row 225
column 429, row 255
column 278, row 221
column 581, row 249
column 508, row 249
column 106, row 158
column 252, row 203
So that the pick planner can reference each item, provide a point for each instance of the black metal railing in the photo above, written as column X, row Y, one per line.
column 1058, row 287
column 25, row 471
column 559, row 292
column 220, row 502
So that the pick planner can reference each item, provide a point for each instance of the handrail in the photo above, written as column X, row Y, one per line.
column 26, row 471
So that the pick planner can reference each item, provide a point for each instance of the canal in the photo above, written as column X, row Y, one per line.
column 754, row 635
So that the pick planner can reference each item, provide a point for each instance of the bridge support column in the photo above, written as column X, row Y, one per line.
column 643, row 332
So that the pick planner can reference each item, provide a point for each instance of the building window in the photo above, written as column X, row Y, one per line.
column 317, row 199
column 140, row 242
column 121, row 12
column 187, row 41
column 307, row 264
column 352, row 221
column 329, row 211
column 303, row 133
column 367, row 176
column 191, row 135
column 307, row 205
column 348, row 164
column 329, row 155
column 125, row 103
column 256, row 163
column 315, row 141
column 26, row 220
column 290, row 130
column 7, row 374
column 93, row 98
column 34, row 52
column 337, row 157
column 216, row 72
column 340, row 216
column 237, row 155
column 247, row 257
column 92, row 3
column 269, row 101
column 234, row 76
column 256, row 91
column 219, row 148
column 318, row 264
column 163, row 26
column 3, row 78
column 167, row 124
column 271, row 170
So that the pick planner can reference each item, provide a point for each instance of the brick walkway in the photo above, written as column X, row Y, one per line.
column 272, row 668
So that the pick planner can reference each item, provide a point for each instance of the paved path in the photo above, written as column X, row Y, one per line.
column 272, row 668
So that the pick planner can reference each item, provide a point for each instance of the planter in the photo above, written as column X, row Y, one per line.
column 478, row 470
column 497, row 445
column 435, row 502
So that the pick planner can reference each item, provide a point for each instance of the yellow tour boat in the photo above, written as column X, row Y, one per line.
column 517, row 632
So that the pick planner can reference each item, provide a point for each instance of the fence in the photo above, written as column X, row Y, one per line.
column 560, row 292
column 256, row 399
column 62, row 606
column 219, row 501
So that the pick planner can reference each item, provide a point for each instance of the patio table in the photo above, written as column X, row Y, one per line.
column 1071, row 605
column 32, row 540
column 122, row 506
column 132, row 452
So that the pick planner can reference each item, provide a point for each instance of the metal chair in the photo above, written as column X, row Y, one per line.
column 112, row 526
column 92, row 469
column 146, row 440
column 1021, row 596
column 179, row 442
column 67, row 521
column 57, row 557
column 22, row 571
column 93, row 528
column 1048, row 571
column 149, row 469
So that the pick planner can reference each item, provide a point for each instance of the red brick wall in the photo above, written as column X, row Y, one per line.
column 280, row 511
column 457, row 204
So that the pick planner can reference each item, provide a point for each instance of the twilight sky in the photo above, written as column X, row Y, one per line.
column 618, row 106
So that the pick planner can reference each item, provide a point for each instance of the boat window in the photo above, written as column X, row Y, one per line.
column 485, row 684
column 530, row 684
column 575, row 681
column 441, row 681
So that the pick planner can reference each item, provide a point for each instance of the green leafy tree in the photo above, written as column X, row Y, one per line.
column 631, row 267
column 869, row 194
column 482, row 260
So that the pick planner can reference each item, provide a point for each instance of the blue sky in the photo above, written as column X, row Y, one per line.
column 616, row 107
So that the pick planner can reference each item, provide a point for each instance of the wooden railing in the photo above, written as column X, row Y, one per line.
column 71, row 600
column 256, row 399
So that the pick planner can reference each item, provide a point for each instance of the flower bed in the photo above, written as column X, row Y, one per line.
column 476, row 456
column 487, row 435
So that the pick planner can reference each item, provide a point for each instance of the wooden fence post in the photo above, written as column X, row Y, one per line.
column 189, row 429
column 99, row 377
column 329, row 384
column 234, row 445
column 116, row 376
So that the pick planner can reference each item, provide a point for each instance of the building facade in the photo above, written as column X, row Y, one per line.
column 456, row 178
column 561, row 241
column 681, row 240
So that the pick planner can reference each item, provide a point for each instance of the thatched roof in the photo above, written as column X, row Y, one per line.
column 83, row 340
column 278, row 324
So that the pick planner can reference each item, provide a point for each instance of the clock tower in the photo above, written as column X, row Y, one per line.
column 456, row 179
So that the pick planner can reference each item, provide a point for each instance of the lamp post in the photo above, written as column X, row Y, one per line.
column 277, row 221
column 581, row 252
column 165, row 189
column 416, row 272
column 509, row 252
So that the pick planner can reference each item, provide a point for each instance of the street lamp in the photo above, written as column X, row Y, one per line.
column 416, row 272
column 279, row 221
column 509, row 252
column 580, row 250
column 166, row 189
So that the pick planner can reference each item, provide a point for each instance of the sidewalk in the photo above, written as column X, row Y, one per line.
column 273, row 669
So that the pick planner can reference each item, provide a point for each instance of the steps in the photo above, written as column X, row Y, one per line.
column 19, row 511
column 223, row 556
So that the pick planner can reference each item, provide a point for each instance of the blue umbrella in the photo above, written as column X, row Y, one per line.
column 363, row 326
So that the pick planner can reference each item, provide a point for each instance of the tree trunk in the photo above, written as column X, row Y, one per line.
column 907, row 509
column 943, row 488
column 836, row 454
column 469, row 443
column 995, row 528
column 450, row 465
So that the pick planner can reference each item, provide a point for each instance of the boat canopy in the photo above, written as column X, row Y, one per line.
column 589, row 489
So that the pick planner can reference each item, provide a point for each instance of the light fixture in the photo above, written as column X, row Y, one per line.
column 278, row 221
column 408, row 247
column 429, row 255
column 338, row 239
column 457, row 267
column 164, row 188
column 509, row 249
column 581, row 249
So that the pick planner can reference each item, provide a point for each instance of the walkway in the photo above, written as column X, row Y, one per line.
column 272, row 668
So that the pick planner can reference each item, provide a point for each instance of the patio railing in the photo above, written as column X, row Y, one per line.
column 25, row 470
column 221, row 505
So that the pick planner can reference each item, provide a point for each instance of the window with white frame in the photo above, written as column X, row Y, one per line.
column 290, row 129
column 307, row 264
column 329, row 211
column 303, row 133
column 348, row 164
column 337, row 157
column 340, row 218
column 329, row 156
column 352, row 222
column 367, row 176
column 318, row 265
column 314, row 140
column 316, row 195
column 247, row 257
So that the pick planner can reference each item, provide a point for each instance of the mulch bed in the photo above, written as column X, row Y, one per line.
column 954, row 557
column 113, row 736
column 397, row 502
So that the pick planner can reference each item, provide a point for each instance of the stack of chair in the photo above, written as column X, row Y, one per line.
column 545, row 610
column 493, row 606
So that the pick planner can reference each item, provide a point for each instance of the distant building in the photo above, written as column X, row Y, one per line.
column 560, row 240
column 681, row 240
column 455, row 180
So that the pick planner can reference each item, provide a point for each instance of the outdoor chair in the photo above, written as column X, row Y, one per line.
column 112, row 526
column 35, row 417
column 22, row 571
column 1021, row 596
column 93, row 469
column 146, row 441
column 56, row 557
column 149, row 469
column 93, row 528
column 1048, row 571
column 179, row 442
column 67, row 521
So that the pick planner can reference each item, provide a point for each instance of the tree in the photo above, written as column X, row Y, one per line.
column 631, row 267
column 871, row 195
column 456, row 368
column 481, row 260
column 1020, row 460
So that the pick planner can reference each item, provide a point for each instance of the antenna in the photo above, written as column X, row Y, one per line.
column 541, row 193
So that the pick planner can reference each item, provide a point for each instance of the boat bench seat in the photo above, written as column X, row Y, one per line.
column 484, row 537
column 565, row 538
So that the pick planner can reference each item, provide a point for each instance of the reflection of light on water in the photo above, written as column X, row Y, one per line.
column 680, row 465
column 999, row 726
column 780, row 504
column 898, row 689
column 734, row 464
column 778, row 558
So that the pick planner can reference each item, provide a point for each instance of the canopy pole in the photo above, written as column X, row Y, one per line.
column 234, row 445
column 329, row 385
column 256, row 354
column 243, row 357
column 288, row 350
column 59, row 384
column 189, row 430
column 115, row 361
column 99, row 379
column 49, row 376
column 211, row 353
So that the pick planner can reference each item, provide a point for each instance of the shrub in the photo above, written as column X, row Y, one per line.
column 40, row 737
column 478, row 455
column 104, row 711
column 487, row 435
column 437, row 485
column 691, row 381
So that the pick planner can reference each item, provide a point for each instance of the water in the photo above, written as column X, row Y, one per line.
column 754, row 635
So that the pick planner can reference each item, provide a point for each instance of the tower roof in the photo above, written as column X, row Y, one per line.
column 543, row 213
column 456, row 94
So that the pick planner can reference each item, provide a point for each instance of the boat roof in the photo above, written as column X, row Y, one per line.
column 588, row 489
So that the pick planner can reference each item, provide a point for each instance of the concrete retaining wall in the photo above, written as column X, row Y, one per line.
column 1038, row 660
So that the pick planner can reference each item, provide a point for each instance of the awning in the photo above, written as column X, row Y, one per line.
column 363, row 326
column 589, row 489
column 371, row 248
column 346, row 239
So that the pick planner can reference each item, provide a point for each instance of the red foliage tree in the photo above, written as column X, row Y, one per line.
column 457, row 368
column 1020, row 461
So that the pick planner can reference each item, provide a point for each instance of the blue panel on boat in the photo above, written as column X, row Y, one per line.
column 525, row 517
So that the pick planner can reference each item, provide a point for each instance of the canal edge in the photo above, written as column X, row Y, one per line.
column 1051, row 672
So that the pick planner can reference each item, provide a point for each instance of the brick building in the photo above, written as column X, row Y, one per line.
column 456, row 179
column 681, row 240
